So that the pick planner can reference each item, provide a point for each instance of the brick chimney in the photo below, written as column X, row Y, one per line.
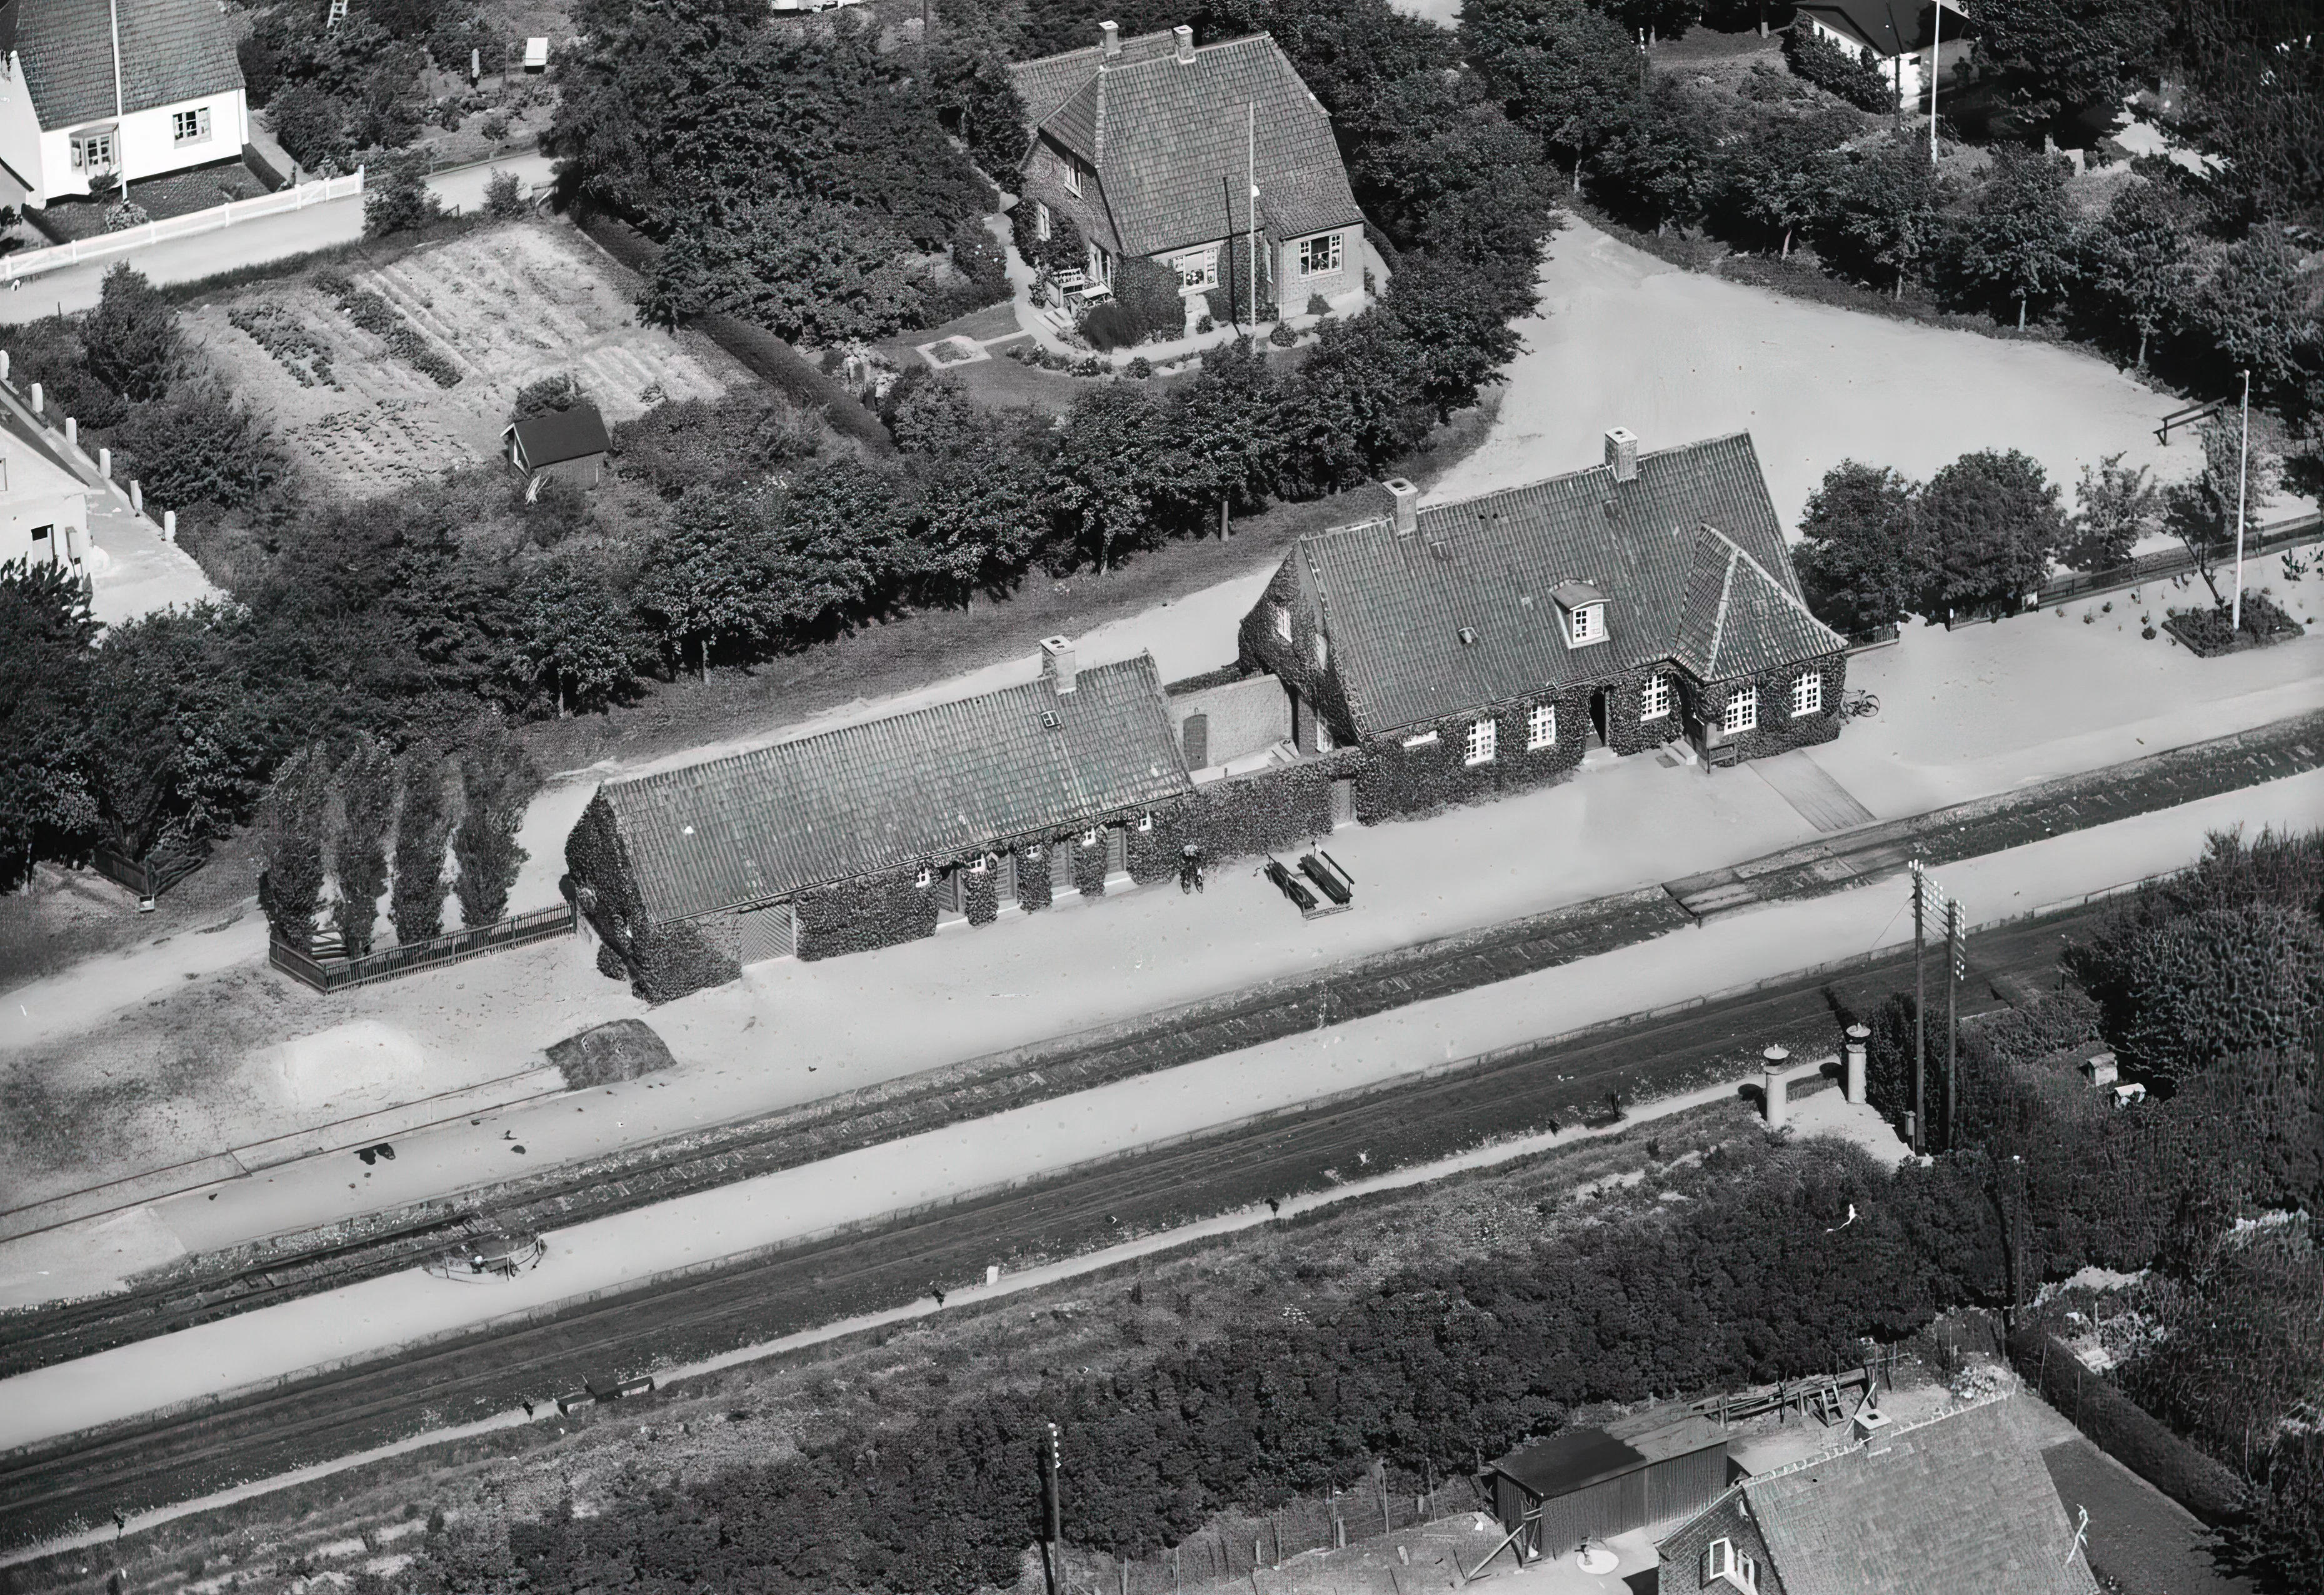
column 1185, row 35
column 1407, row 505
column 1109, row 39
column 1057, row 662
column 1622, row 452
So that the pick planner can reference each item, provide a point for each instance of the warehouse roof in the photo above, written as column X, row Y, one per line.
column 937, row 783
column 1689, row 554
column 1570, row 1460
column 172, row 50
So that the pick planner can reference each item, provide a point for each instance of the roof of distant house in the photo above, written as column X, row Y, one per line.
column 1173, row 146
column 172, row 50
column 934, row 784
column 1689, row 554
column 1887, row 27
column 1959, row 1502
column 555, row 435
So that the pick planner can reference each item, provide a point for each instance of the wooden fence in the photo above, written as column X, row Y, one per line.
column 28, row 263
column 2176, row 562
column 149, row 878
column 339, row 974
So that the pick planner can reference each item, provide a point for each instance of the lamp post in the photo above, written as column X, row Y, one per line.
column 2243, row 486
column 1936, row 38
column 1052, row 1512
column 1956, row 938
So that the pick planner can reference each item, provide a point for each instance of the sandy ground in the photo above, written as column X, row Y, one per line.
column 1046, row 1137
column 1675, row 356
column 506, row 305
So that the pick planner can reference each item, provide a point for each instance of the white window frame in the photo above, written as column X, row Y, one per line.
column 1323, row 742
column 84, row 148
column 1043, row 227
column 1073, row 177
column 190, row 128
column 1484, row 739
column 1722, row 1562
column 1427, row 739
column 1740, row 712
column 1323, row 654
column 1587, row 625
column 1655, row 701
column 1807, row 694
column 1541, row 727
column 1328, row 248
column 1198, row 270
column 1283, row 621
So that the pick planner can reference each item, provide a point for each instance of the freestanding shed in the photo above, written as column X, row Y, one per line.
column 567, row 444
column 1552, row 1493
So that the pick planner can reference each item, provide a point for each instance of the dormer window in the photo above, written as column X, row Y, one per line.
column 1583, row 608
column 1723, row 1564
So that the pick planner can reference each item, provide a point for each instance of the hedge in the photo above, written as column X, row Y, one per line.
column 2121, row 1429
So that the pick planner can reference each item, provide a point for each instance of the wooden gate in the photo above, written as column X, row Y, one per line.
column 767, row 932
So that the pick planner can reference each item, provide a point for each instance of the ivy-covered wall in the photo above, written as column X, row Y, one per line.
column 1269, row 811
column 663, row 961
column 857, row 916
column 980, row 894
column 1397, row 779
column 1033, row 874
column 1626, row 702
column 1778, row 731
column 1089, row 863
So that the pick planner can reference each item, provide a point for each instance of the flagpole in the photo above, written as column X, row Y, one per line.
column 1251, row 159
column 1936, row 38
column 2243, row 486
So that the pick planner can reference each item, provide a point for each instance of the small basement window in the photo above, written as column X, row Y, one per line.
column 1483, row 734
column 1655, row 702
column 1541, row 727
column 1807, row 694
column 1742, row 711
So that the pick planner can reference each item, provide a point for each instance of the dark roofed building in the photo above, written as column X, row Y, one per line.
column 1959, row 1502
column 1150, row 145
column 560, row 444
column 170, row 98
column 1555, row 1492
column 1893, row 35
column 879, row 832
column 1485, row 645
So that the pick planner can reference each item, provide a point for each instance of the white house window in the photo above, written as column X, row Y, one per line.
column 1656, row 701
column 1483, row 734
column 1101, row 262
column 189, row 127
column 1742, row 711
column 1322, row 651
column 1807, row 694
column 1323, row 742
column 1590, row 624
column 1427, row 739
column 1319, row 256
column 1283, row 621
column 1723, row 1564
column 1042, row 225
column 1541, row 727
column 1198, row 268
column 1073, row 176
column 93, row 152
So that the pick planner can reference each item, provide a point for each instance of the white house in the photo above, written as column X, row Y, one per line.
column 96, row 94
column 1895, row 34
column 43, row 505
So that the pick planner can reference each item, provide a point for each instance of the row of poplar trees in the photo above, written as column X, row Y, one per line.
column 380, row 822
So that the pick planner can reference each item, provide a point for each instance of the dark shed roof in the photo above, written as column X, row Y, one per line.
column 1889, row 27
column 558, row 435
column 1570, row 1460
column 172, row 50
column 937, row 783
column 1690, row 556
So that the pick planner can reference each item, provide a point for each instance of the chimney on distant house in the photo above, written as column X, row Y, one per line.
column 1407, row 505
column 1622, row 452
column 1109, row 39
column 1185, row 35
column 1057, row 662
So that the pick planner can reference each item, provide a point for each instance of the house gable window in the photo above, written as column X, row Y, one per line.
column 1655, row 702
column 1588, row 625
column 1072, row 171
column 1198, row 268
column 1043, row 226
column 93, row 151
column 1742, row 711
column 1283, row 621
column 1321, row 255
column 189, row 127
column 1541, row 727
column 1807, row 694
column 1323, row 653
column 1722, row 1564
column 1483, row 735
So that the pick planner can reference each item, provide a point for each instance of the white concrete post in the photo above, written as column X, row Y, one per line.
column 4, row 365
column 169, row 526
column 1772, row 1086
column 137, row 495
column 39, row 402
column 104, row 463
column 1858, row 1039
column 992, row 1273
column 72, row 432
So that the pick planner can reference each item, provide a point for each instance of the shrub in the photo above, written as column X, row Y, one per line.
column 1281, row 335
column 130, row 342
column 2209, row 632
column 1847, row 73
column 504, row 196
column 559, row 390
column 199, row 447
column 1317, row 305
column 1138, row 369
column 1112, row 325
column 401, row 201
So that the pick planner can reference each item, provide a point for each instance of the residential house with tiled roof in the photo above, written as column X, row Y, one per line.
column 1485, row 645
column 1961, row 1501
column 1893, row 35
column 883, row 831
column 94, row 94
column 43, row 500
column 1152, row 146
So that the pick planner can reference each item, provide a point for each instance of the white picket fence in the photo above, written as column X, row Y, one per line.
column 31, row 263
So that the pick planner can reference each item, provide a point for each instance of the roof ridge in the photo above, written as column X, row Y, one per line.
column 1698, row 444
column 1726, row 593
column 1843, row 1448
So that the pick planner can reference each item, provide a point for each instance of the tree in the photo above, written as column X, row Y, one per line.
column 2060, row 56
column 1778, row 182
column 198, row 446
column 572, row 630
column 1351, row 408
column 1569, row 74
column 837, row 548
column 1110, row 467
column 130, row 342
column 504, row 196
column 710, row 575
column 2263, row 311
column 2113, row 507
column 424, row 826
column 1884, row 212
column 1456, row 325
column 292, row 835
column 400, row 200
column 1851, row 74
column 1223, row 438
column 2017, row 242
column 976, row 518
column 2139, row 261
column 497, row 781
column 1663, row 166
column 1983, row 530
column 46, row 798
column 2201, row 511
column 1855, row 560
column 971, row 79
column 803, row 269
column 2257, row 71
column 366, row 785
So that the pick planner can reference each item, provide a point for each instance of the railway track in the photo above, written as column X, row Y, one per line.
column 146, row 1464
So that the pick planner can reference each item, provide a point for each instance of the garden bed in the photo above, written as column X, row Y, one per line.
column 2206, row 633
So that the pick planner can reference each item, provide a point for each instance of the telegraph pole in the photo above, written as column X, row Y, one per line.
column 1957, row 939
column 1052, row 1511
column 1920, row 1006
column 2243, row 486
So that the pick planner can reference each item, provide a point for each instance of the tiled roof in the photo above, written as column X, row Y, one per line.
column 1876, row 22
column 1395, row 608
column 1172, row 141
column 1961, row 1503
column 938, row 783
column 558, row 435
column 171, row 51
